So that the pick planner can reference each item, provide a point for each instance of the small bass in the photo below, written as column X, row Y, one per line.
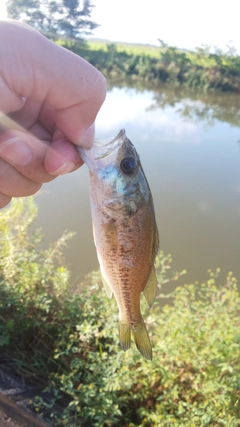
column 125, row 232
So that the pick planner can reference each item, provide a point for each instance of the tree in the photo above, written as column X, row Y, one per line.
column 70, row 18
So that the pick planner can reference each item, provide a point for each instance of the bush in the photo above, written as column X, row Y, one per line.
column 70, row 342
column 201, row 70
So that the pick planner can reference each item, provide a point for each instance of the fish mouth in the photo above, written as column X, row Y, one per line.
column 104, row 148
column 105, row 151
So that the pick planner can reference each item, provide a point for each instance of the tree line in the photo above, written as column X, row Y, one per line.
column 69, row 21
column 68, row 18
column 202, row 70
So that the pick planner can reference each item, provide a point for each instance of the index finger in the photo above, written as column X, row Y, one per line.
column 83, row 90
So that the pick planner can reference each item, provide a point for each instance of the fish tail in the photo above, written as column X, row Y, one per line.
column 140, row 335
column 142, row 340
column 124, row 335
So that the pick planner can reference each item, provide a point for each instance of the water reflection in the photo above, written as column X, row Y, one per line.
column 209, row 107
column 187, row 144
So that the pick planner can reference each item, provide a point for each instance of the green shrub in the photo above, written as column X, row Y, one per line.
column 70, row 342
column 203, row 69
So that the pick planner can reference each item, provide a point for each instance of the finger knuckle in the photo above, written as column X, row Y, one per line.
column 14, row 184
column 4, row 200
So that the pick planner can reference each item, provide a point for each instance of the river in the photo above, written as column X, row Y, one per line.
column 190, row 151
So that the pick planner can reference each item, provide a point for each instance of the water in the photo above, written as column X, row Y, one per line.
column 189, row 147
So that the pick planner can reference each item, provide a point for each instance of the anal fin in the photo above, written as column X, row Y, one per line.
column 107, row 288
column 124, row 335
column 150, row 289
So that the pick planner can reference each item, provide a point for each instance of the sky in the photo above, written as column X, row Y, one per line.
column 182, row 23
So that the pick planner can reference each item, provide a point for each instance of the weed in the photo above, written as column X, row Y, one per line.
column 70, row 342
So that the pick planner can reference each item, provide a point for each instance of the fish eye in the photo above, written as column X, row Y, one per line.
column 128, row 165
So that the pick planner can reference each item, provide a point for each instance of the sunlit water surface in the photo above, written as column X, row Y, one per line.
column 190, row 152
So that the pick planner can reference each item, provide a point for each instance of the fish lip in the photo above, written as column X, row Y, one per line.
column 102, row 149
column 121, row 134
column 112, row 143
column 109, row 141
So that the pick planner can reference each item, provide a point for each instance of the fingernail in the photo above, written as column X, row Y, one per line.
column 65, row 168
column 88, row 137
column 15, row 151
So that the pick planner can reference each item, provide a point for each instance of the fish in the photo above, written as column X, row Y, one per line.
column 125, row 232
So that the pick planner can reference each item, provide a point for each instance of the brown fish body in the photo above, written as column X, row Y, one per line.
column 125, row 234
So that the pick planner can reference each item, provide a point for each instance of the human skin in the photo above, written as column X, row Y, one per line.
column 51, row 98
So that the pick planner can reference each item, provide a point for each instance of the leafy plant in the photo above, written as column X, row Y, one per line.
column 206, row 69
column 70, row 342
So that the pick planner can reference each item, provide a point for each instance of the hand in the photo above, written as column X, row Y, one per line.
column 50, row 98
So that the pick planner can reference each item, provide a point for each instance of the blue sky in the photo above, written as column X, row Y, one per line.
column 184, row 23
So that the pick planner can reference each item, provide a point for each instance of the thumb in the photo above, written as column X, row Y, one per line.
column 49, row 73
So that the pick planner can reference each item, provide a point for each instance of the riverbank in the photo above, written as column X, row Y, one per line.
column 205, row 69
column 15, row 396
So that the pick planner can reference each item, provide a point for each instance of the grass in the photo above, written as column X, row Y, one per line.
column 129, row 48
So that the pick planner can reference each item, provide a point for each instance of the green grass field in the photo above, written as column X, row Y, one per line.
column 130, row 48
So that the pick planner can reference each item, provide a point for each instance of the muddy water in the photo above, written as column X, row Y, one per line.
column 190, row 151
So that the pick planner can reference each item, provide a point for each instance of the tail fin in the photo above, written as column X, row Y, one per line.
column 124, row 335
column 142, row 340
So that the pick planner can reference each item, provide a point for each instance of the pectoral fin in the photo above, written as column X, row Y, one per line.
column 107, row 287
column 94, row 238
column 156, row 242
column 151, row 288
